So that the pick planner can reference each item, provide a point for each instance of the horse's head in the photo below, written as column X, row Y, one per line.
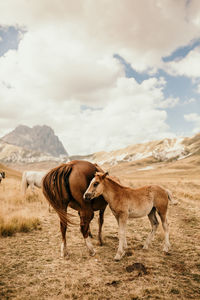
column 95, row 188
column 2, row 175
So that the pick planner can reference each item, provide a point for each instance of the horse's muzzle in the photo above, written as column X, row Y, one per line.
column 87, row 197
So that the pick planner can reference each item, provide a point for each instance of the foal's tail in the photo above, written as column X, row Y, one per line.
column 24, row 184
column 170, row 197
column 55, row 187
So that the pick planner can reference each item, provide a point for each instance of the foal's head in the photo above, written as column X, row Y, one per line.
column 95, row 188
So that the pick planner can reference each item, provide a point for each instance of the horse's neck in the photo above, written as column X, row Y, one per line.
column 111, row 190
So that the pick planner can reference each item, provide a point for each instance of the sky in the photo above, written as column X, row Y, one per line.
column 102, row 74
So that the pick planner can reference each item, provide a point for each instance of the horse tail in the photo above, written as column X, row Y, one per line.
column 24, row 184
column 170, row 197
column 55, row 187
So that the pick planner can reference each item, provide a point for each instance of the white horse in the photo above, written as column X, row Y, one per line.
column 32, row 179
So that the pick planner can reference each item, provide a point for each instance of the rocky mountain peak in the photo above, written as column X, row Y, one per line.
column 38, row 138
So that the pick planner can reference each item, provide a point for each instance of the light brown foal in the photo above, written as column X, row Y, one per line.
column 127, row 202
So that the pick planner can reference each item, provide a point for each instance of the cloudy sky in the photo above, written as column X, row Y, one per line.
column 103, row 74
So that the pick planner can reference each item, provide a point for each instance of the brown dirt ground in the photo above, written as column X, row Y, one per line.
column 31, row 267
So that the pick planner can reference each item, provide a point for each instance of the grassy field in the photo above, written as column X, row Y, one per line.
column 30, row 264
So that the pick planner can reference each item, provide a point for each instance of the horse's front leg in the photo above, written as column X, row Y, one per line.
column 122, row 221
column 101, row 219
column 89, row 231
column 32, row 188
column 85, row 221
column 63, row 250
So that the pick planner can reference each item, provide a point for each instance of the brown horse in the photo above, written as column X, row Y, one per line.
column 64, row 186
column 128, row 202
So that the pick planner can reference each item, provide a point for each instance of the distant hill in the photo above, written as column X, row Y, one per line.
column 144, row 155
column 39, row 138
column 13, row 155
column 165, row 150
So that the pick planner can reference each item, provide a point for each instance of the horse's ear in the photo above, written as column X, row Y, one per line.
column 104, row 175
column 98, row 168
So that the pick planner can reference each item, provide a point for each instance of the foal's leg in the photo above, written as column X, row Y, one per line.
column 63, row 249
column 125, row 246
column 154, row 224
column 122, row 220
column 101, row 219
column 166, row 231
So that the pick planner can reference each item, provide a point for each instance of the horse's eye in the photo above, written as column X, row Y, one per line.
column 95, row 184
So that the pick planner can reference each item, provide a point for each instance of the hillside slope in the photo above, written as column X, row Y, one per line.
column 165, row 150
column 10, row 173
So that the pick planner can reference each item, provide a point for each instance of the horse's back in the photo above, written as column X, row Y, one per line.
column 160, row 196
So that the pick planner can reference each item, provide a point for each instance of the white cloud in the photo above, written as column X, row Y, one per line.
column 195, row 119
column 170, row 102
column 187, row 66
column 191, row 100
column 198, row 88
column 130, row 115
column 65, row 60
column 140, row 31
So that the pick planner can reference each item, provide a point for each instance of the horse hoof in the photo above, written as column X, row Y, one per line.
column 145, row 247
column 100, row 243
column 166, row 249
column 65, row 256
column 118, row 256
column 92, row 252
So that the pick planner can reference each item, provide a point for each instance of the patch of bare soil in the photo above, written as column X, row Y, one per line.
column 32, row 269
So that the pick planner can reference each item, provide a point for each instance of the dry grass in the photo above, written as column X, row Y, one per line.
column 33, row 268
column 16, row 211
column 17, row 224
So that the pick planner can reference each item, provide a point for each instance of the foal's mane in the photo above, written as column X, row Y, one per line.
column 112, row 179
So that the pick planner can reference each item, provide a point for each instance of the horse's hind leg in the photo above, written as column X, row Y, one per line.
column 154, row 224
column 101, row 219
column 166, row 231
column 63, row 250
